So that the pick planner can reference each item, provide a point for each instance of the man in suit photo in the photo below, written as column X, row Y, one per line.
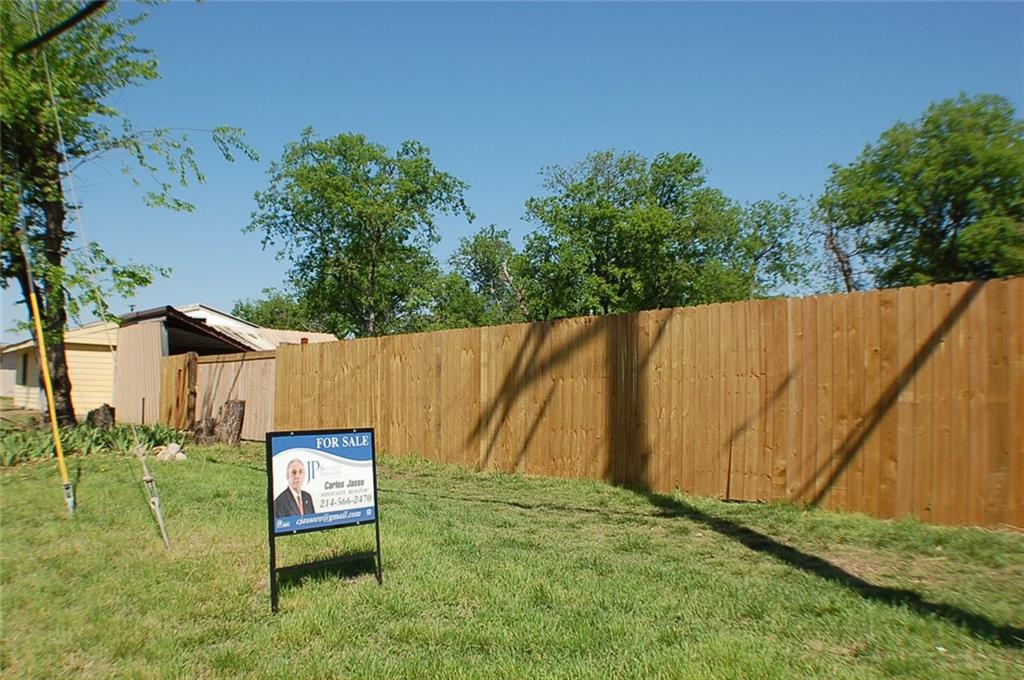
column 293, row 500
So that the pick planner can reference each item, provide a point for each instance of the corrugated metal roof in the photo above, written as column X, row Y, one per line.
column 254, row 336
column 247, row 335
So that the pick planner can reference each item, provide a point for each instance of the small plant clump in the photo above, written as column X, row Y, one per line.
column 20, row 444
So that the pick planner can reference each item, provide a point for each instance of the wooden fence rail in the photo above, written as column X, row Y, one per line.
column 895, row 402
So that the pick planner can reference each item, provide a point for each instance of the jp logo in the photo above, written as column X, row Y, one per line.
column 311, row 469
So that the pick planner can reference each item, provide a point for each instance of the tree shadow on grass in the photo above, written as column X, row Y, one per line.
column 976, row 624
column 345, row 566
column 670, row 508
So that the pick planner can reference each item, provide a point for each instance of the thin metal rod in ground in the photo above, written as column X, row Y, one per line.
column 154, row 494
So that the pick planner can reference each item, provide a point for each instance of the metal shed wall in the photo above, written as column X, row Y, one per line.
column 137, row 376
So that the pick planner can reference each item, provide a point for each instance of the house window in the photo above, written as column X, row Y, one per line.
column 24, row 369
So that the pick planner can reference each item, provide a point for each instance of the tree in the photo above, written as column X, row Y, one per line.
column 277, row 309
column 619, row 233
column 453, row 304
column 481, row 289
column 939, row 199
column 486, row 261
column 775, row 245
column 357, row 223
column 73, row 75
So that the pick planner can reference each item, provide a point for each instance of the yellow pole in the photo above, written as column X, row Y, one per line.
column 44, row 367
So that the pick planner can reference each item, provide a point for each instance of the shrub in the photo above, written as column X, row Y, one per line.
column 20, row 444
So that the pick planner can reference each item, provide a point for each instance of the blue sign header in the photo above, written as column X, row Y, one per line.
column 357, row 445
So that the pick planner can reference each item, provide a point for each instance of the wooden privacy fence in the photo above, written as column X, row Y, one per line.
column 213, row 380
column 895, row 402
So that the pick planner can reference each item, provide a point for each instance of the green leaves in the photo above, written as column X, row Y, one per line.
column 939, row 199
column 72, row 76
column 18, row 445
column 619, row 233
column 93, row 276
column 357, row 222
column 277, row 309
column 488, row 266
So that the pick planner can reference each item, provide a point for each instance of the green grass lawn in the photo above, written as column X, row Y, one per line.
column 488, row 575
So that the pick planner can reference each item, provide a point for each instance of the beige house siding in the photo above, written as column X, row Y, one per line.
column 137, row 376
column 90, row 353
column 91, row 369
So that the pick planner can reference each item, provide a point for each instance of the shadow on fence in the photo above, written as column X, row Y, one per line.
column 627, row 356
column 629, row 449
column 851, row 445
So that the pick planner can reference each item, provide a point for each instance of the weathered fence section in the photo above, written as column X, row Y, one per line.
column 894, row 402
column 248, row 377
column 193, row 388
column 178, row 376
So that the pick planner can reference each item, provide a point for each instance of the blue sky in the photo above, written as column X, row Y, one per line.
column 768, row 95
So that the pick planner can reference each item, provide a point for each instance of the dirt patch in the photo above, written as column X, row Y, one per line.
column 871, row 566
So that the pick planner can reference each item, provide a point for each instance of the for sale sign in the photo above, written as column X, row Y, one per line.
column 321, row 480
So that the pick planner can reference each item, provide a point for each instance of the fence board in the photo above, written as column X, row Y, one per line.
column 997, row 339
column 978, row 380
column 905, row 402
column 960, row 420
column 872, row 453
column 924, row 423
column 809, row 388
column 839, row 470
column 795, row 376
column 759, row 459
column 826, row 385
column 719, row 453
column 853, row 454
column 683, row 421
column 177, row 398
column 940, row 492
column 1016, row 370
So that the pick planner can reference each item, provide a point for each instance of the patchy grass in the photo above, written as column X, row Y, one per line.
column 489, row 575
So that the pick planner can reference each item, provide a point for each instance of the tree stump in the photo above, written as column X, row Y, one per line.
column 102, row 417
column 229, row 422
